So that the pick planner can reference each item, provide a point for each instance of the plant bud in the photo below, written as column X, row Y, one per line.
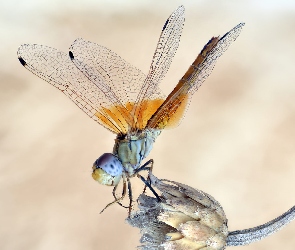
column 185, row 219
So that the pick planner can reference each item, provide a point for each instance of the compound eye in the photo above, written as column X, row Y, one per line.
column 110, row 164
column 107, row 170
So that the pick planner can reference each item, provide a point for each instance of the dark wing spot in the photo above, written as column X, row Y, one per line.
column 112, row 166
column 71, row 55
column 164, row 27
column 22, row 61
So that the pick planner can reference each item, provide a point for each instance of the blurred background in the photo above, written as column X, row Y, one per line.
column 235, row 143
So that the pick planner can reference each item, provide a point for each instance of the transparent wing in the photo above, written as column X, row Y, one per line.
column 123, row 82
column 164, row 53
column 57, row 68
column 172, row 110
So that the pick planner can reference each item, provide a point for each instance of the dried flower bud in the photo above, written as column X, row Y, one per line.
column 188, row 218
column 185, row 219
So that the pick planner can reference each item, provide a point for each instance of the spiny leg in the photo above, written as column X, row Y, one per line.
column 144, row 166
column 149, row 169
column 149, row 186
column 114, row 195
column 118, row 199
column 151, row 161
column 130, row 196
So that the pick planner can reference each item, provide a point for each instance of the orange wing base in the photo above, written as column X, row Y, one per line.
column 114, row 118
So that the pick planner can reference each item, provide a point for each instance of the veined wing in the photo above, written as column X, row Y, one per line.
column 57, row 68
column 163, row 55
column 172, row 110
column 122, row 78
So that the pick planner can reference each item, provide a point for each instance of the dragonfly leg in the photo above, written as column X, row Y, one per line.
column 145, row 167
column 148, row 184
column 117, row 200
column 130, row 196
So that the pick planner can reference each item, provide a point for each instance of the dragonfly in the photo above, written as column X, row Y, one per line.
column 122, row 98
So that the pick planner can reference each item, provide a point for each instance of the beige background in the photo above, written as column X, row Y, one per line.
column 236, row 141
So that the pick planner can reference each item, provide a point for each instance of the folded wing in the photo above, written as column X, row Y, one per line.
column 162, row 58
column 172, row 110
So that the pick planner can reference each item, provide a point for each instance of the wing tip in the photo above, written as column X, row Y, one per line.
column 237, row 29
column 179, row 12
column 181, row 7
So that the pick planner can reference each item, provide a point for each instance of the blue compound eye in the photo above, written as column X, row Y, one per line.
column 110, row 164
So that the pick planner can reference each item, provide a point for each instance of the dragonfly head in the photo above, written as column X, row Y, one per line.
column 107, row 170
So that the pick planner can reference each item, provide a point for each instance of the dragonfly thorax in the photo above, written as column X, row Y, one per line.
column 132, row 149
